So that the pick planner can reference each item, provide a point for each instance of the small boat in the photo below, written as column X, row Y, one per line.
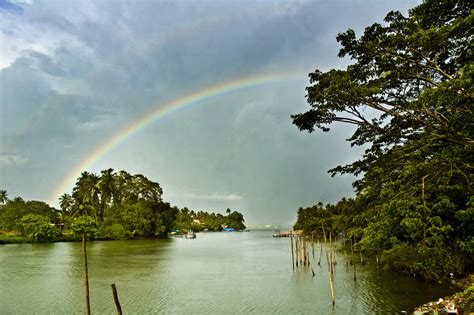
column 190, row 234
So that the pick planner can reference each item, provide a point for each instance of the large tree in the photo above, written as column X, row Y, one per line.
column 408, row 92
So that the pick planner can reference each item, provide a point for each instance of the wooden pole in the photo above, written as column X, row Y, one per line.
column 86, row 274
column 331, row 256
column 116, row 299
column 296, row 250
column 353, row 261
column 333, row 299
column 301, row 251
column 292, row 252
column 305, row 246
column 320, row 252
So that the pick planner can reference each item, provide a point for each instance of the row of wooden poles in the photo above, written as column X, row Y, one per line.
column 300, row 257
column 86, row 282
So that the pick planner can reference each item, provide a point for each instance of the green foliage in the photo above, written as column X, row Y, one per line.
column 84, row 225
column 37, row 228
column 419, row 260
column 409, row 95
column 15, row 209
column 115, row 232
column 467, row 305
column 187, row 219
column 111, row 206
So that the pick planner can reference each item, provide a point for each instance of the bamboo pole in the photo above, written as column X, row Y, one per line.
column 296, row 250
column 320, row 252
column 86, row 275
column 331, row 255
column 353, row 261
column 333, row 298
column 292, row 253
column 301, row 251
column 116, row 299
column 305, row 258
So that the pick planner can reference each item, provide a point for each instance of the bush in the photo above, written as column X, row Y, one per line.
column 37, row 228
column 430, row 263
column 84, row 225
column 114, row 232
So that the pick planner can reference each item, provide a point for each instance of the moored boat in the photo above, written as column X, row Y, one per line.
column 190, row 234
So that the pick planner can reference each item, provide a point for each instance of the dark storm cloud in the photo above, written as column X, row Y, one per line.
column 74, row 73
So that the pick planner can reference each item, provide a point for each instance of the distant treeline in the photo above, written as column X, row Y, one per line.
column 409, row 95
column 115, row 205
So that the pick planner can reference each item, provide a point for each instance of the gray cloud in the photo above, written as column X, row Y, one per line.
column 12, row 160
column 75, row 73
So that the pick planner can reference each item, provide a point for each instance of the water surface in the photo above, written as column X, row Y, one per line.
column 215, row 273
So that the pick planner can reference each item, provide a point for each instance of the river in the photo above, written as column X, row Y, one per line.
column 233, row 273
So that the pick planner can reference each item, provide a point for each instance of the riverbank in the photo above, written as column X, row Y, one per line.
column 12, row 237
column 458, row 303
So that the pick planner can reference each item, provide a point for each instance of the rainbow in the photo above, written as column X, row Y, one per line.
column 161, row 111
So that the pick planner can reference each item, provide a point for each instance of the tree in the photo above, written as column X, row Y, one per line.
column 106, row 186
column 3, row 196
column 410, row 76
column 37, row 228
column 66, row 202
column 409, row 95
column 15, row 209
column 86, row 189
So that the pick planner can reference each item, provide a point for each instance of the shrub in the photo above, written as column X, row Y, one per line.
column 115, row 232
column 37, row 228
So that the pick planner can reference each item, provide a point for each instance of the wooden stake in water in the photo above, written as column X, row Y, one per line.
column 116, row 300
column 86, row 274
column 292, row 253
column 320, row 252
column 296, row 250
column 333, row 298
column 353, row 261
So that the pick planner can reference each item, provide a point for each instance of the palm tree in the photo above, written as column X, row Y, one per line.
column 3, row 196
column 106, row 186
column 86, row 191
column 65, row 202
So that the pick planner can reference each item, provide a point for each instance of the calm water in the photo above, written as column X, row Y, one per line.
column 235, row 273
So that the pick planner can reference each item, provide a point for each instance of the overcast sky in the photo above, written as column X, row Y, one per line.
column 74, row 73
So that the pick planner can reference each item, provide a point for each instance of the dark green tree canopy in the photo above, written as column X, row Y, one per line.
column 410, row 76
column 409, row 94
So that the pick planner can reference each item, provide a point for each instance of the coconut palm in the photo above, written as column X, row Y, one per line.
column 86, row 192
column 107, row 189
column 65, row 202
column 3, row 196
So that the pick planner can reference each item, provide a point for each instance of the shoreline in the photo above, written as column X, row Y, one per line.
column 461, row 302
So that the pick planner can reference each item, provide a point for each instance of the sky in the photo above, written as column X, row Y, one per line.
column 195, row 95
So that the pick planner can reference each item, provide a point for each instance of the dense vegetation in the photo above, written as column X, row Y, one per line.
column 408, row 92
column 113, row 205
